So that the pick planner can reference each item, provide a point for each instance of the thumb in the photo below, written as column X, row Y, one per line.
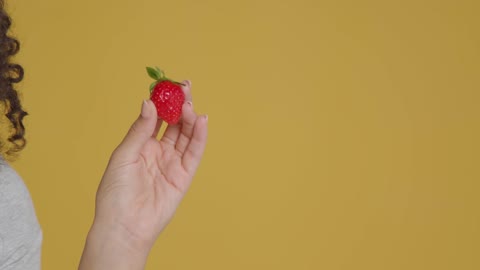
column 140, row 131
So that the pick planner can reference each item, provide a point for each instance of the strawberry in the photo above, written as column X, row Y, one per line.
column 167, row 95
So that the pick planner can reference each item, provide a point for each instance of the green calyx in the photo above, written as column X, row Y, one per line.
column 159, row 76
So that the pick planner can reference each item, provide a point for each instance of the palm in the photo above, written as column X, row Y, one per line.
column 141, row 189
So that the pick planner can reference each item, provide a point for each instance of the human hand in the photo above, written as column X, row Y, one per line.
column 146, row 178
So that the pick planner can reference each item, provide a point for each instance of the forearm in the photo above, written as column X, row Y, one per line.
column 109, row 248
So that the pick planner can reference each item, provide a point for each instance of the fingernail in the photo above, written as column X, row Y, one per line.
column 189, row 83
column 144, row 109
column 190, row 104
column 206, row 118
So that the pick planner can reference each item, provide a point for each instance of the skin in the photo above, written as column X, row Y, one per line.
column 144, row 182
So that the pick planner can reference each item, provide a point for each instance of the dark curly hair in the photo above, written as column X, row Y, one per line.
column 10, row 74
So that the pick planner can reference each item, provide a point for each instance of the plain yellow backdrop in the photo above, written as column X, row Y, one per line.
column 343, row 134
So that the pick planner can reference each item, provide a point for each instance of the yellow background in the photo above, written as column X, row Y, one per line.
column 343, row 134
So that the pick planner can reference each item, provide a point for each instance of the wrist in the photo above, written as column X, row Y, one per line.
column 112, row 247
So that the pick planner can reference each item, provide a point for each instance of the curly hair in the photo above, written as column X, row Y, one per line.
column 10, row 74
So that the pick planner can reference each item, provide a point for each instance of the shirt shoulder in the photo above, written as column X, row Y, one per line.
column 20, row 232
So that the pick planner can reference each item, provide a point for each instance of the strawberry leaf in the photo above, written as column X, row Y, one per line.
column 153, row 73
column 152, row 86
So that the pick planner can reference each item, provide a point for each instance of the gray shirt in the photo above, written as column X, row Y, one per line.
column 20, row 232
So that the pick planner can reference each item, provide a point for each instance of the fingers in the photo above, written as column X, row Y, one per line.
column 188, row 123
column 194, row 151
column 140, row 132
column 171, row 134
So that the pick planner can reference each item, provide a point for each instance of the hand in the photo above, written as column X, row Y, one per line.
column 147, row 178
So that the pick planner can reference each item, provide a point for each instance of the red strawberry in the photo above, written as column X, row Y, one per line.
column 167, row 95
